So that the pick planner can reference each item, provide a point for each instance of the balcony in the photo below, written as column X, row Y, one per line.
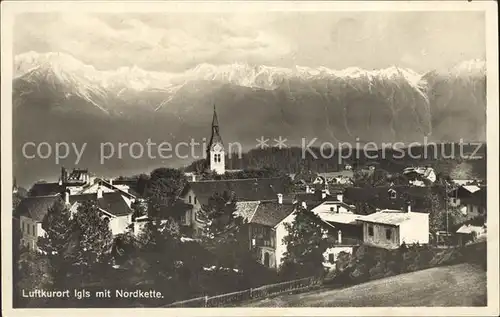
column 261, row 242
column 349, row 241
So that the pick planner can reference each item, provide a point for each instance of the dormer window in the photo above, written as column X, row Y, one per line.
column 392, row 194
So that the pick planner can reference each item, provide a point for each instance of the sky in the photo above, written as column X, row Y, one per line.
column 174, row 42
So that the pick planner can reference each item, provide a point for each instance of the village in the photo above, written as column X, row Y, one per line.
column 424, row 210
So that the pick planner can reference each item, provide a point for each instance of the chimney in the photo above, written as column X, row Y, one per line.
column 339, row 236
column 408, row 207
column 280, row 199
column 66, row 198
column 323, row 194
column 99, row 192
column 111, row 181
column 193, row 177
column 340, row 197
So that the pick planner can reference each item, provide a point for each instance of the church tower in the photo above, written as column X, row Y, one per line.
column 215, row 149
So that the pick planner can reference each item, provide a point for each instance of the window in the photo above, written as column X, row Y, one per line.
column 183, row 218
column 217, row 158
column 34, row 230
column 195, row 201
column 189, row 198
column 370, row 230
column 22, row 225
column 331, row 258
column 392, row 193
column 388, row 234
column 28, row 228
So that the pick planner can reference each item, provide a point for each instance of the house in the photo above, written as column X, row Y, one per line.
column 74, row 182
column 342, row 224
column 177, row 211
column 469, row 233
column 457, row 195
column 476, row 204
column 389, row 229
column 420, row 176
column 29, row 215
column 110, row 187
column 470, row 200
column 343, row 218
column 343, row 177
column 266, row 228
column 113, row 206
column 197, row 194
column 368, row 200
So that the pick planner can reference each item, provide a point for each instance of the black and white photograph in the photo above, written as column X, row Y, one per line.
column 250, row 155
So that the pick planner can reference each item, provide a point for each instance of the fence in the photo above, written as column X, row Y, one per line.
column 253, row 293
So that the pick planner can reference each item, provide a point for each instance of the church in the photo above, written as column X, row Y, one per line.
column 215, row 149
column 197, row 192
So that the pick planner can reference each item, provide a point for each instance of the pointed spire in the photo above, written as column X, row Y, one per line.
column 215, row 122
column 215, row 137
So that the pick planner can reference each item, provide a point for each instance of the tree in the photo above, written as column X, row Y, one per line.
column 34, row 273
column 91, row 242
column 224, row 234
column 306, row 242
column 162, row 190
column 139, row 209
column 159, row 243
column 437, row 213
column 55, row 241
column 462, row 170
column 165, row 183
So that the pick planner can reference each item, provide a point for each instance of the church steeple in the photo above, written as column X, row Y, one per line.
column 215, row 136
column 215, row 149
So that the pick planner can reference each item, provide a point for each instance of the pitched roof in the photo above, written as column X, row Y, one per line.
column 343, row 217
column 468, row 229
column 251, row 189
column 36, row 207
column 342, row 173
column 478, row 198
column 390, row 217
column 113, row 187
column 112, row 203
column 379, row 197
column 45, row 189
column 270, row 213
column 246, row 209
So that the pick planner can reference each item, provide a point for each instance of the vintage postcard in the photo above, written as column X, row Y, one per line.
column 250, row 158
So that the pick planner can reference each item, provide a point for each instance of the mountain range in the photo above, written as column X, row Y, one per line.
column 58, row 98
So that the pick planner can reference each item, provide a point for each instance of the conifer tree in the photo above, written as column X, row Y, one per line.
column 91, row 243
column 55, row 241
column 224, row 233
column 306, row 242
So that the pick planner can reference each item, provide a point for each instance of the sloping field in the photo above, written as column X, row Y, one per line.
column 457, row 285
